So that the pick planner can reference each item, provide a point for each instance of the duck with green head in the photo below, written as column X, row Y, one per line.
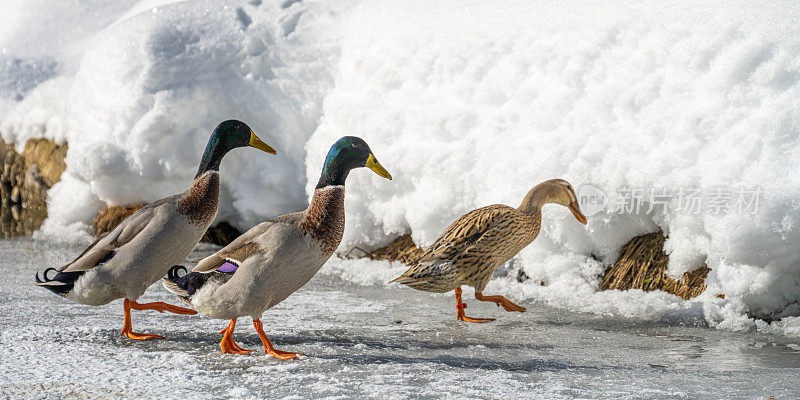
column 124, row 262
column 275, row 258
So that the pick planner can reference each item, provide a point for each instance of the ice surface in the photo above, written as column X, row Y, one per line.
column 465, row 103
column 369, row 342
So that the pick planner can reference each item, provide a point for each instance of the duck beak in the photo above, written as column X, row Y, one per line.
column 374, row 165
column 259, row 144
column 576, row 211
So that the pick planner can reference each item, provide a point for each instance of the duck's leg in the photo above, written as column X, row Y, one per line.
column 501, row 301
column 127, row 328
column 227, row 344
column 283, row 355
column 460, row 310
column 161, row 307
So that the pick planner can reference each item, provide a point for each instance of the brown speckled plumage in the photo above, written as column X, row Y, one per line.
column 471, row 248
column 478, row 242
column 200, row 202
column 324, row 218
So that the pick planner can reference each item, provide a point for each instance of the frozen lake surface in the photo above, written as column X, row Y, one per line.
column 369, row 342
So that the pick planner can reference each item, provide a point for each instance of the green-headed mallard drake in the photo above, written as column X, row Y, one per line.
column 124, row 262
column 275, row 258
column 478, row 242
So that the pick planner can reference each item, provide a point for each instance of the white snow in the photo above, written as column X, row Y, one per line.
column 465, row 103
column 153, row 80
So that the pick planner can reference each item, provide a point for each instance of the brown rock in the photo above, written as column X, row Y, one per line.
column 15, row 195
column 16, row 172
column 5, row 191
column 35, row 189
column 48, row 156
column 25, row 179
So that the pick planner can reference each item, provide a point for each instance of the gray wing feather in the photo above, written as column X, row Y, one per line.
column 118, row 237
column 232, row 250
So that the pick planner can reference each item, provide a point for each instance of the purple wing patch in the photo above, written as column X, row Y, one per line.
column 227, row 267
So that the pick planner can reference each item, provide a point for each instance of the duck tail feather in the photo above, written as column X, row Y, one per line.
column 61, row 283
column 183, row 285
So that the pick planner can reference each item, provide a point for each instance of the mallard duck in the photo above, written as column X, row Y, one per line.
column 478, row 242
column 124, row 262
column 275, row 258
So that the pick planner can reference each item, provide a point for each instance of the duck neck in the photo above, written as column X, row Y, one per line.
column 212, row 156
column 201, row 201
column 534, row 200
column 333, row 174
column 324, row 217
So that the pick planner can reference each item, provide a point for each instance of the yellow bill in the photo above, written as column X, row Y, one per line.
column 259, row 144
column 374, row 165
column 576, row 211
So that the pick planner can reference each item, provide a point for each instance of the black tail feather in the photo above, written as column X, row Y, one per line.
column 61, row 283
column 190, row 281
column 172, row 274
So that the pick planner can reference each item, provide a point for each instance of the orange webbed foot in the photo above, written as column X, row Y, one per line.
column 268, row 348
column 501, row 301
column 476, row 320
column 460, row 315
column 140, row 336
column 283, row 355
column 227, row 344
column 232, row 348
column 127, row 327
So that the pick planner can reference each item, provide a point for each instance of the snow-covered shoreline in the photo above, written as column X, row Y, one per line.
column 465, row 104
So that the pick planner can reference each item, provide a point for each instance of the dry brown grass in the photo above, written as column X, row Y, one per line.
column 642, row 264
column 402, row 249
column 221, row 234
column 108, row 219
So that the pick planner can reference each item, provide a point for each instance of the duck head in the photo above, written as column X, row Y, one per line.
column 227, row 136
column 346, row 154
column 556, row 191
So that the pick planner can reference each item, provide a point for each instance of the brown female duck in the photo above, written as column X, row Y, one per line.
column 478, row 242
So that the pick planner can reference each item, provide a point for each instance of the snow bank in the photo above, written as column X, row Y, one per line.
column 150, row 82
column 469, row 105
column 466, row 104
